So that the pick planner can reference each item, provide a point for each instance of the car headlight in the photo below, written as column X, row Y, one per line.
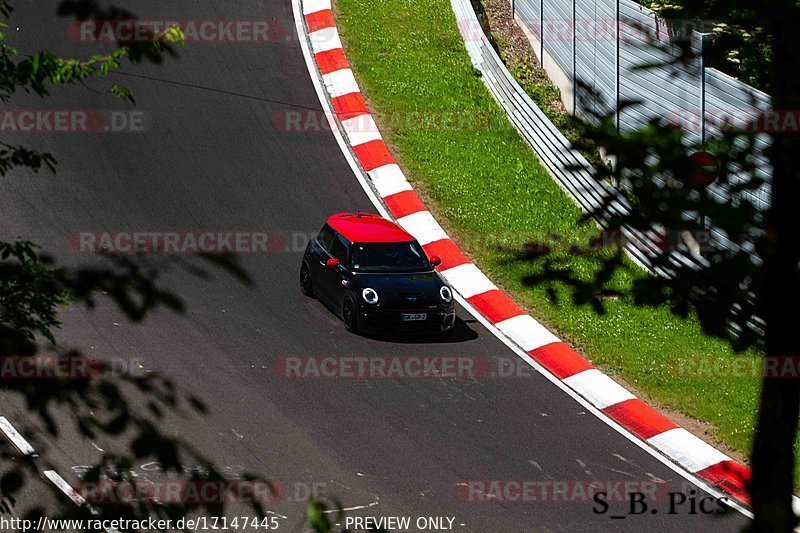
column 370, row 296
column 446, row 293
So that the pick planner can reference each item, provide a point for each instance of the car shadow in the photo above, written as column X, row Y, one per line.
column 461, row 332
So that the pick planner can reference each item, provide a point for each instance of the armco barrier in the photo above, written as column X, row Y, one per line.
column 569, row 168
column 600, row 43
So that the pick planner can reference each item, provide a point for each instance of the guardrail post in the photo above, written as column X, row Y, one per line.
column 574, row 57
column 702, row 47
column 541, row 32
column 616, row 69
column 701, row 37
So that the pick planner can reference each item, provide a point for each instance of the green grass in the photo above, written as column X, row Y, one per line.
column 487, row 187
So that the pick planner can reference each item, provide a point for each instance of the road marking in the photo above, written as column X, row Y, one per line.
column 54, row 477
column 356, row 508
column 16, row 439
column 62, row 485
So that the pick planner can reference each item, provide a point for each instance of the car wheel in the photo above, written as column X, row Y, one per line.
column 305, row 281
column 349, row 315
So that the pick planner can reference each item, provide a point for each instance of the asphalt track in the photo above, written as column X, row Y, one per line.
column 212, row 158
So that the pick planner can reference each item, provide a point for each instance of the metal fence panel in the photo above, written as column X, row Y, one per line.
column 557, row 35
column 611, row 41
column 663, row 91
column 595, row 55
column 729, row 101
column 529, row 12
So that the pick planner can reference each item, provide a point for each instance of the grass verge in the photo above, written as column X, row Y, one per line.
column 486, row 186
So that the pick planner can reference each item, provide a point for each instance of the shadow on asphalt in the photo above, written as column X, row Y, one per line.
column 461, row 331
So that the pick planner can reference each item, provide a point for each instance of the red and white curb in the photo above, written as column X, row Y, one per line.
column 540, row 345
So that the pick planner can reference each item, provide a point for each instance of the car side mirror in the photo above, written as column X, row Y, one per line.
column 332, row 263
column 436, row 260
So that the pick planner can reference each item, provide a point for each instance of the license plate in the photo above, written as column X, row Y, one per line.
column 410, row 317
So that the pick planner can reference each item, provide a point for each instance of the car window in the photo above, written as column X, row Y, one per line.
column 339, row 250
column 389, row 257
column 325, row 237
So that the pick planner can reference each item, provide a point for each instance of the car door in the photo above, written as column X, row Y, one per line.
column 331, row 279
column 319, row 254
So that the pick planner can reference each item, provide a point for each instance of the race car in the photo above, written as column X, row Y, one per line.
column 376, row 277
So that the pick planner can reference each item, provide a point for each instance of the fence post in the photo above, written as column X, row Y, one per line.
column 616, row 70
column 541, row 32
column 702, row 47
column 574, row 57
column 702, row 63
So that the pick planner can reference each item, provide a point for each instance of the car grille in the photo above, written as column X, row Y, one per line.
column 407, row 302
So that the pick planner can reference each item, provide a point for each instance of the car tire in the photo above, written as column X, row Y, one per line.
column 350, row 314
column 306, row 284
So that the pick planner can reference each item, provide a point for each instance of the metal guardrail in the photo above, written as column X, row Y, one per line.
column 569, row 168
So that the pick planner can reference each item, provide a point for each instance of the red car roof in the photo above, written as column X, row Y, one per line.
column 368, row 227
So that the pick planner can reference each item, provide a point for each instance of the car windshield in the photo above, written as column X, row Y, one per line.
column 389, row 257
